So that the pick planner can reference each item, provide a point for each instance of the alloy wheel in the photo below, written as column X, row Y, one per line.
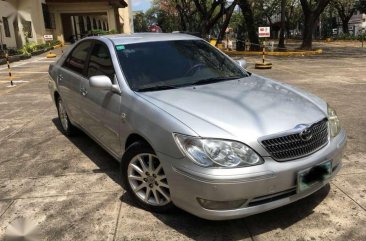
column 147, row 179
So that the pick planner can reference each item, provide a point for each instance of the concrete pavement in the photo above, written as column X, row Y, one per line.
column 69, row 186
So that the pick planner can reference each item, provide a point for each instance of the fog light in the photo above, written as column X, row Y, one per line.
column 221, row 205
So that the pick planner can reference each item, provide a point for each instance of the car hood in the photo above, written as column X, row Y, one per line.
column 244, row 109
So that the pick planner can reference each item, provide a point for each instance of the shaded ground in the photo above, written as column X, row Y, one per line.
column 69, row 187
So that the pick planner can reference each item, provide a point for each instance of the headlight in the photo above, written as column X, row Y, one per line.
column 217, row 153
column 334, row 124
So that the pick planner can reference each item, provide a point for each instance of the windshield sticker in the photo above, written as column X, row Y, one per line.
column 120, row 47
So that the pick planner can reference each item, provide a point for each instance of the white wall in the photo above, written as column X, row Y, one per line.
column 7, row 10
column 32, row 11
column 126, row 17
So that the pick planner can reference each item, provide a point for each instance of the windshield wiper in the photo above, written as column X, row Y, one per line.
column 215, row 79
column 156, row 88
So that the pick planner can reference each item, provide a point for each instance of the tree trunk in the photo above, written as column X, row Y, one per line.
column 307, row 38
column 311, row 15
column 225, row 24
column 345, row 24
column 182, row 21
column 249, row 22
column 281, row 42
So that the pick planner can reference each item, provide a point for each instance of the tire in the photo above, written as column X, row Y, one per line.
column 144, row 179
column 67, row 128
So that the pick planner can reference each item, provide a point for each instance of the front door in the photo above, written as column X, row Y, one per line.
column 102, row 107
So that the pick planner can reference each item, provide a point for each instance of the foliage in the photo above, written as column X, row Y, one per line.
column 140, row 23
column 251, row 24
column 102, row 32
column 294, row 17
column 163, row 15
column 345, row 9
column 202, row 16
column 350, row 37
column 32, row 47
column 265, row 10
column 209, row 17
column 311, row 10
column 10, row 52
column 361, row 6
column 55, row 42
column 329, row 21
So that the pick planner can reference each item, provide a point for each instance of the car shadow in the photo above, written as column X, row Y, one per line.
column 239, row 229
column 102, row 159
column 195, row 227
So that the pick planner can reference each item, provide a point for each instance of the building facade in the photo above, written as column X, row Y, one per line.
column 355, row 23
column 66, row 20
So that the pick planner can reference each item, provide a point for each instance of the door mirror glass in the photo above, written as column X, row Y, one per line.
column 242, row 63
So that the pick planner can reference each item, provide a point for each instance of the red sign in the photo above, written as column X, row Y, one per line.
column 264, row 32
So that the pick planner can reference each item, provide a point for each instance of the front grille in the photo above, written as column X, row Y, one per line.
column 294, row 145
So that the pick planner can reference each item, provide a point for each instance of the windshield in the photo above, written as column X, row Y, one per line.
column 174, row 64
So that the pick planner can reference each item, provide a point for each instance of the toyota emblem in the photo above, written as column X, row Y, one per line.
column 306, row 134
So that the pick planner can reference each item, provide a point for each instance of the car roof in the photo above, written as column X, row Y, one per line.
column 147, row 37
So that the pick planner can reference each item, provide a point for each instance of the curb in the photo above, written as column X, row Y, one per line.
column 41, row 51
column 288, row 53
column 57, row 46
column 14, row 58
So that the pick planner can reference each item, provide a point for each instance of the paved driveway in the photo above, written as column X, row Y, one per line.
column 69, row 187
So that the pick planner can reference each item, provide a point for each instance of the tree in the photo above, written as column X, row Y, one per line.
column 251, row 27
column 329, row 21
column 281, row 42
column 345, row 9
column 228, row 14
column 164, row 14
column 293, row 15
column 187, row 13
column 211, row 13
column 361, row 6
column 312, row 10
column 139, row 23
column 268, row 9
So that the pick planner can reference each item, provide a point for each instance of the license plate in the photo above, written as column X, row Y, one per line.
column 314, row 175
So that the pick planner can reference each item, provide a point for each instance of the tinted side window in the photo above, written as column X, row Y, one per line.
column 77, row 59
column 100, row 62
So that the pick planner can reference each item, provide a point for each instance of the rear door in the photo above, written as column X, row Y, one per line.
column 101, row 108
column 69, row 79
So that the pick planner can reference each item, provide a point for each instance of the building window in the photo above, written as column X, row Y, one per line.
column 46, row 16
column 6, row 27
column 27, row 29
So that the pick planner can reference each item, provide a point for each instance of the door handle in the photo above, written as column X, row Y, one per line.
column 83, row 91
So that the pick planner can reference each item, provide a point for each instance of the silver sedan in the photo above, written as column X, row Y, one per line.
column 192, row 128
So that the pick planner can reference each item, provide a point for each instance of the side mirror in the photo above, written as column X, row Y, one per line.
column 104, row 83
column 242, row 63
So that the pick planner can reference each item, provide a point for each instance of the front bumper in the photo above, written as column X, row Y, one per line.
column 265, row 187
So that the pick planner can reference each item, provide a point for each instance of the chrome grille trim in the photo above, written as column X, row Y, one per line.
column 291, row 146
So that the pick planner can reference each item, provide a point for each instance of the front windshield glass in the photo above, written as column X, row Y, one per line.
column 174, row 64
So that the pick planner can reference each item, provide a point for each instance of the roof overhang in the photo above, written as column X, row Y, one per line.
column 114, row 3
